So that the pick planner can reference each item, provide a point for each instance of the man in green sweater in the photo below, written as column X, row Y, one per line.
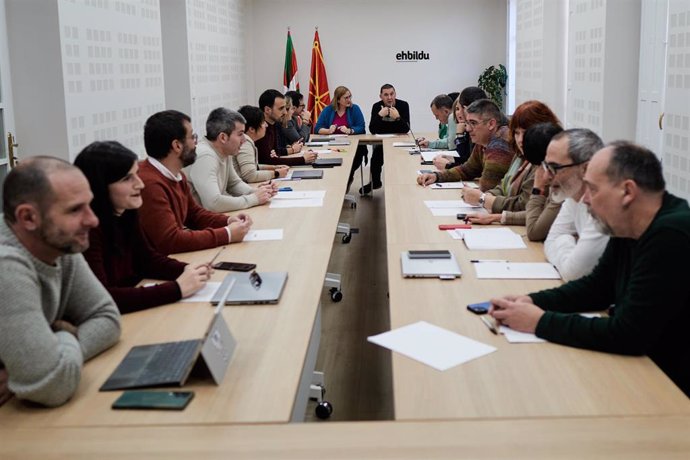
column 54, row 313
column 643, row 271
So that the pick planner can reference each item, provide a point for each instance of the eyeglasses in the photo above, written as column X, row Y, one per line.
column 553, row 168
column 195, row 137
column 475, row 123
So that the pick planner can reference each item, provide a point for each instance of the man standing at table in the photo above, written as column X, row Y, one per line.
column 491, row 155
column 575, row 240
column 54, row 313
column 212, row 176
column 643, row 271
column 171, row 219
column 388, row 116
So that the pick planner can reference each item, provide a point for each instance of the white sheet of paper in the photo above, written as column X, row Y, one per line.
column 446, row 185
column 457, row 233
column 385, row 135
column 493, row 238
column 205, row 294
column 268, row 234
column 448, row 212
column 429, row 156
column 321, row 151
column 516, row 270
column 300, row 195
column 446, row 204
column 526, row 337
column 404, row 144
column 300, row 203
column 432, row 345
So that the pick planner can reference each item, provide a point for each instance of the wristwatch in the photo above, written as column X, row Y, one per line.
column 276, row 174
column 482, row 199
column 537, row 191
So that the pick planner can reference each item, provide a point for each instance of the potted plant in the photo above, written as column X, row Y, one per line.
column 493, row 81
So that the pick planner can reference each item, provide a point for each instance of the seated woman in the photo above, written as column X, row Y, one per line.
column 514, row 190
column 343, row 117
column 118, row 254
column 246, row 163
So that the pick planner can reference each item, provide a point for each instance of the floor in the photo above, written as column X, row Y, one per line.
column 358, row 373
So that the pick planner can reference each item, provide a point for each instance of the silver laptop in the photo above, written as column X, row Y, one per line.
column 171, row 363
column 434, row 265
column 252, row 288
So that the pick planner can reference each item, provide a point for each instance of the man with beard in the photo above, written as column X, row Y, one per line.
column 575, row 242
column 643, row 271
column 171, row 219
column 54, row 313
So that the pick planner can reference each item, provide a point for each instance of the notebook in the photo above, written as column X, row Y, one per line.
column 171, row 363
column 432, row 267
column 252, row 288
column 327, row 162
column 307, row 174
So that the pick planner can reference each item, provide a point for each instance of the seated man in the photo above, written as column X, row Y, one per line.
column 643, row 271
column 171, row 219
column 441, row 107
column 575, row 242
column 54, row 314
column 212, row 177
column 246, row 163
column 491, row 154
column 388, row 116
column 299, row 126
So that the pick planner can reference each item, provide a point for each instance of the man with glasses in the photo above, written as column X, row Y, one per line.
column 491, row 154
column 213, row 179
column 171, row 219
column 575, row 242
column 642, row 272
column 299, row 127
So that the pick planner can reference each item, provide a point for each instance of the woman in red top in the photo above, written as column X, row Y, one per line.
column 118, row 254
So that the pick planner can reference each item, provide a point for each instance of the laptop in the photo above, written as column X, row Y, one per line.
column 433, row 265
column 251, row 288
column 307, row 174
column 327, row 162
column 171, row 363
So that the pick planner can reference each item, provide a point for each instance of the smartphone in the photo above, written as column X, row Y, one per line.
column 234, row 266
column 480, row 308
column 461, row 216
column 445, row 254
column 163, row 400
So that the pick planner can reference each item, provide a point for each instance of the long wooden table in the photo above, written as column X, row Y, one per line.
column 518, row 380
column 269, row 375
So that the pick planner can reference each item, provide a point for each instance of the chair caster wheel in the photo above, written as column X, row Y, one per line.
column 323, row 410
column 353, row 205
column 336, row 294
column 346, row 238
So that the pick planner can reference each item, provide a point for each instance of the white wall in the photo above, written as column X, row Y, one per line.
column 361, row 38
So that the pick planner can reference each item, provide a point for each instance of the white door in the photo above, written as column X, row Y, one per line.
column 6, row 114
column 676, row 133
column 652, row 76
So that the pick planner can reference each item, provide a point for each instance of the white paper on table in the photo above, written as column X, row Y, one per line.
column 516, row 270
column 446, row 204
column 448, row 212
column 404, row 144
column 205, row 294
column 321, row 151
column 268, row 234
column 457, row 233
column 300, row 195
column 301, row 203
column 446, row 185
column 513, row 336
column 335, row 136
column 385, row 135
column 316, row 143
column 429, row 156
column 432, row 345
column 424, row 171
column 471, row 184
column 494, row 238
column 287, row 177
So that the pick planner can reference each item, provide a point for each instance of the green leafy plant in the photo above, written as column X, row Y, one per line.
column 493, row 81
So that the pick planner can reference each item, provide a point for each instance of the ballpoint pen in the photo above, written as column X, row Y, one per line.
column 478, row 261
column 216, row 256
column 492, row 327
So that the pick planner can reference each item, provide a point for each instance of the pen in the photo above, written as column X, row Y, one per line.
column 489, row 324
column 478, row 261
column 216, row 256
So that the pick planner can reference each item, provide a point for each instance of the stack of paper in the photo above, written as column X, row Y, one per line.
column 205, row 294
column 446, row 185
column 299, row 199
column 493, row 238
column 515, row 270
column 445, row 208
column 432, row 345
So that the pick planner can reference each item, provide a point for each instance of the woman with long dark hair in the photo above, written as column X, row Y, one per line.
column 118, row 254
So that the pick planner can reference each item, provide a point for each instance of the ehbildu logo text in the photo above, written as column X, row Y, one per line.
column 412, row 56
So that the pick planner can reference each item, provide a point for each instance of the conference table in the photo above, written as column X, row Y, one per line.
column 488, row 407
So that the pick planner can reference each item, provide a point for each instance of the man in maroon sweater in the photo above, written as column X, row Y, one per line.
column 170, row 218
column 272, row 104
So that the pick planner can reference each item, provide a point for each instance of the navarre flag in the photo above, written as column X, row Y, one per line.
column 290, row 82
column 318, row 82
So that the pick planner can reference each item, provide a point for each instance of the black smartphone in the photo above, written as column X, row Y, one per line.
column 163, row 400
column 234, row 266
column 461, row 216
column 445, row 254
column 480, row 308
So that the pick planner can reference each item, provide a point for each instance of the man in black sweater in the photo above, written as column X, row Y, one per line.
column 643, row 271
column 388, row 116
